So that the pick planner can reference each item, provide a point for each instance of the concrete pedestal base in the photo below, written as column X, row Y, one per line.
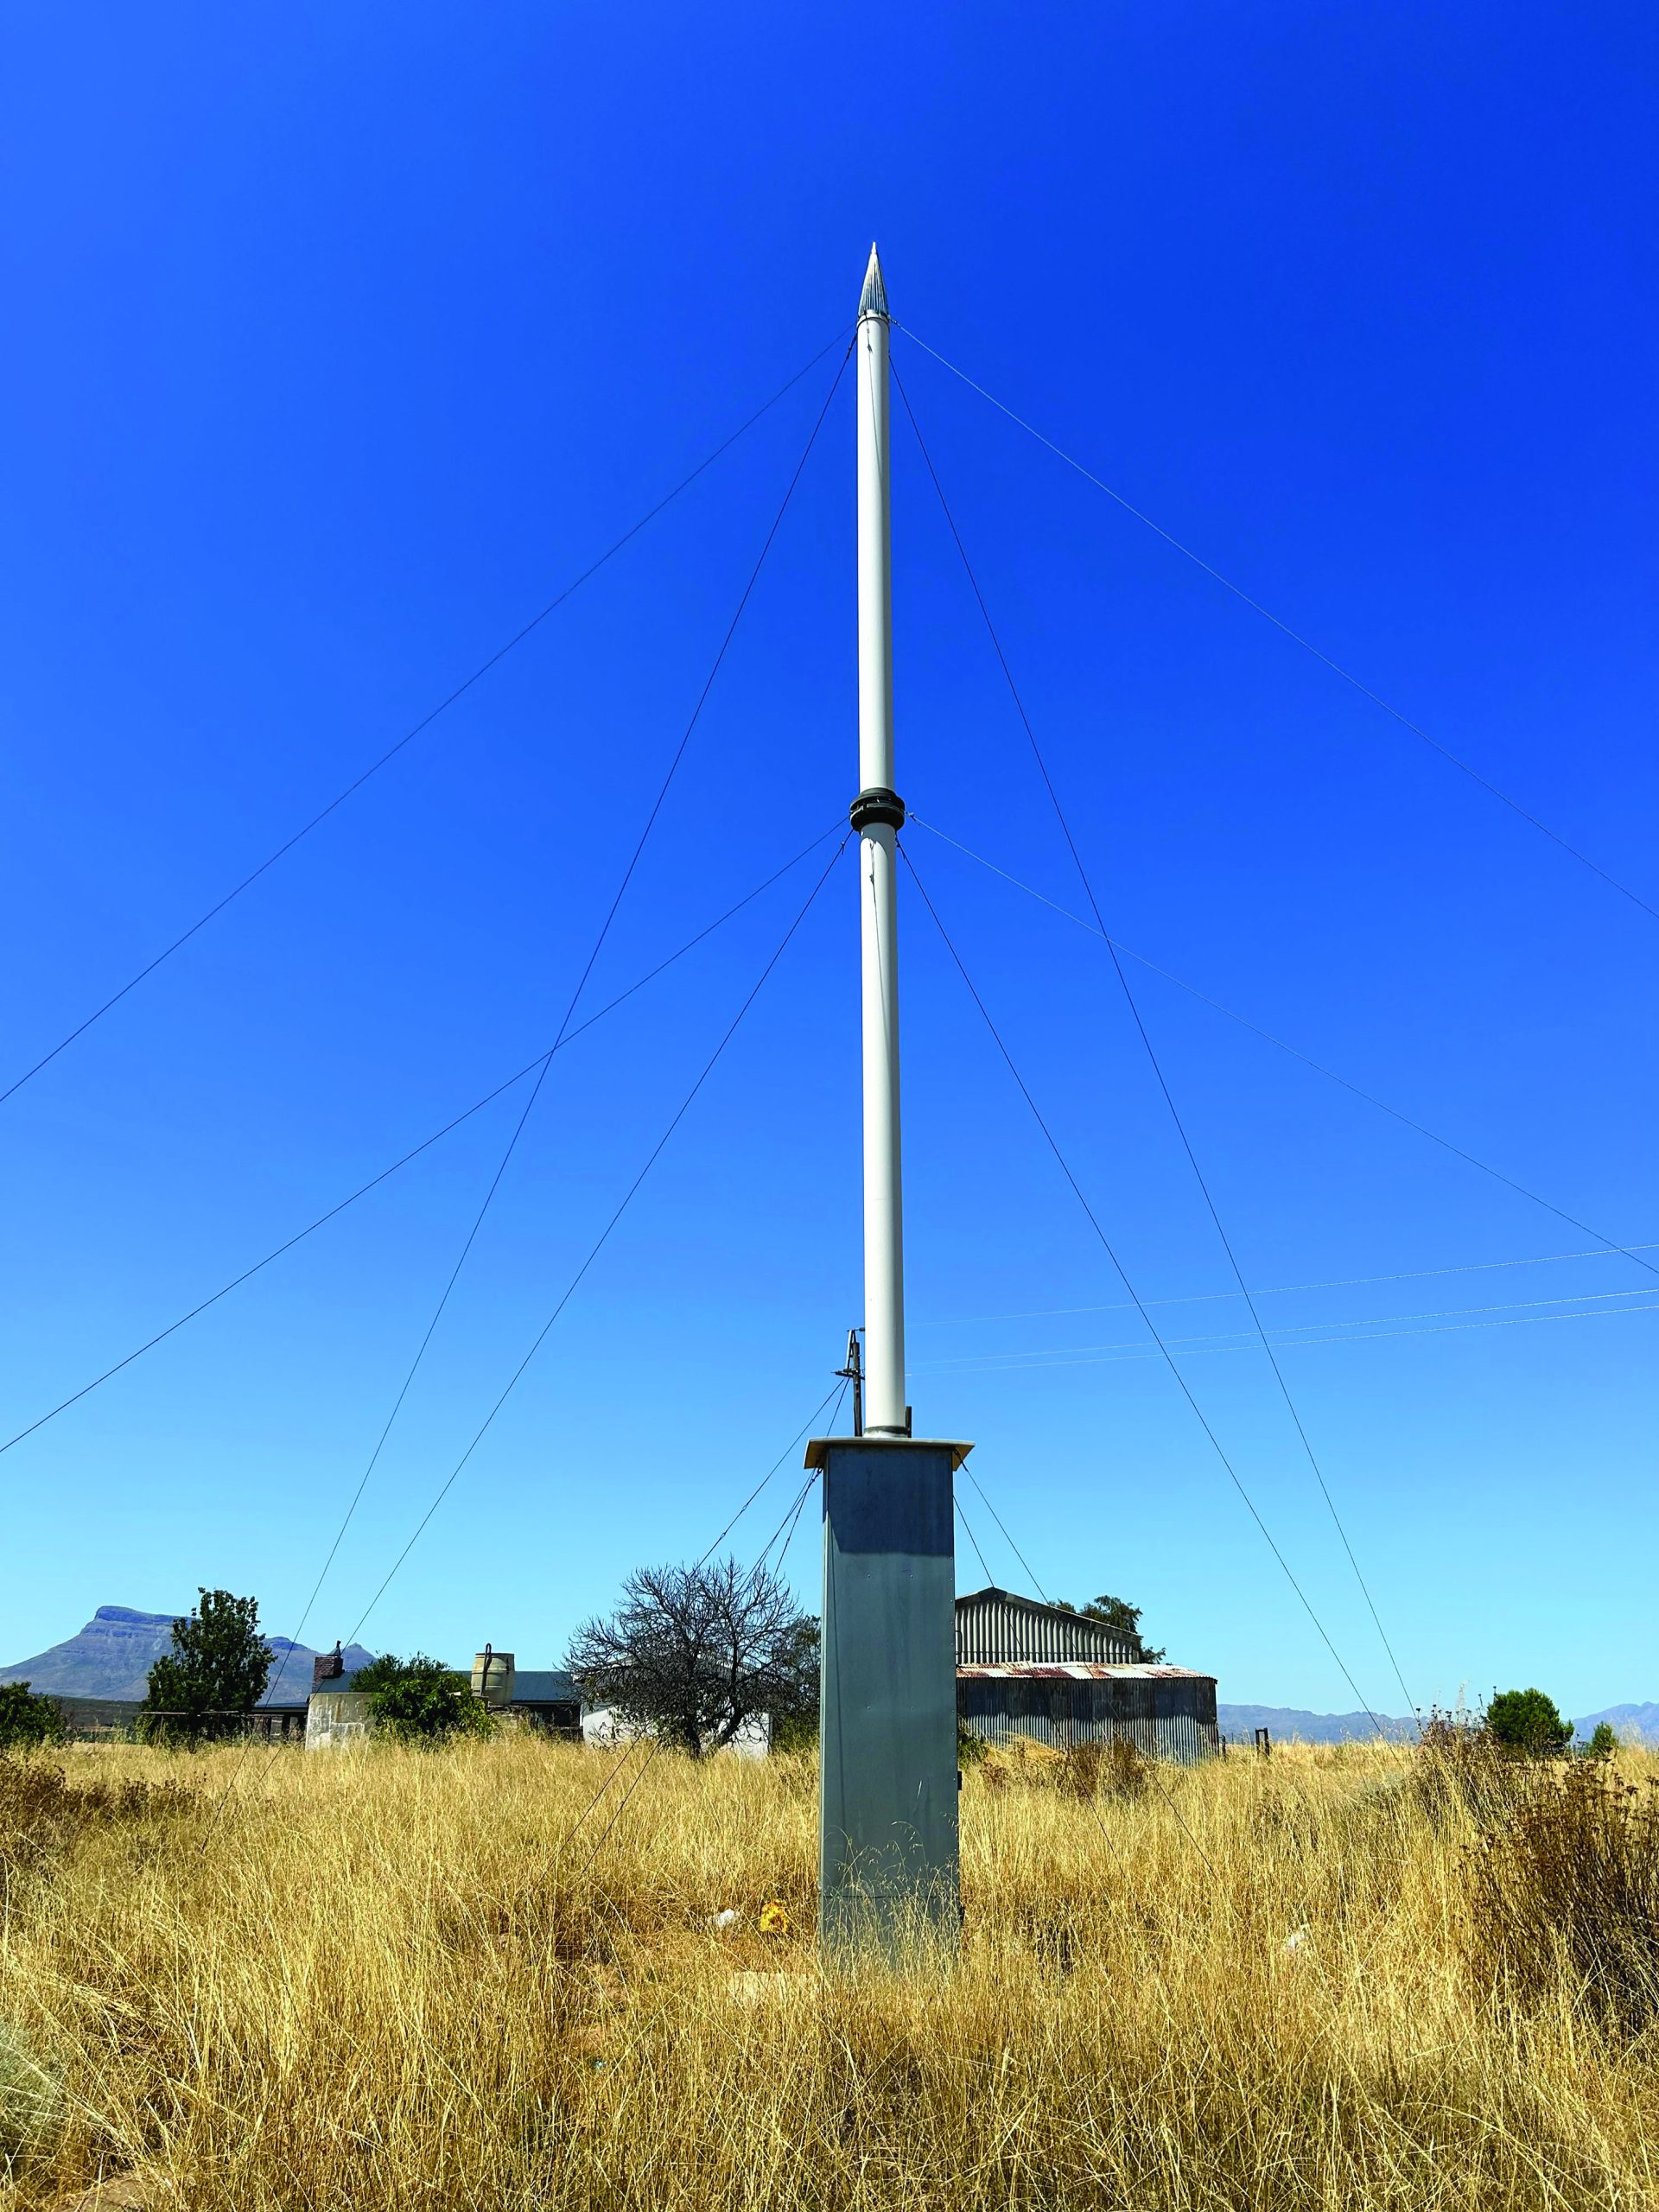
column 888, row 1690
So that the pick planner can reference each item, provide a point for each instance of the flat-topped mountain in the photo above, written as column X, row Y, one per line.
column 112, row 1655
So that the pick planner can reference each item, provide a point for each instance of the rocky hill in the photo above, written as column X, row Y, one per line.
column 111, row 1655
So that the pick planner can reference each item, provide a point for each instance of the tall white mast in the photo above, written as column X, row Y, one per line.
column 887, row 1778
column 878, row 814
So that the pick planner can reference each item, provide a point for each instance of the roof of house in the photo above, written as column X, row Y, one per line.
column 545, row 1686
column 340, row 1683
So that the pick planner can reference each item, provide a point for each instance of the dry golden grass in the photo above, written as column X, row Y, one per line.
column 386, row 1980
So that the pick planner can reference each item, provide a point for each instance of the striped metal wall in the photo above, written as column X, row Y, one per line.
column 995, row 1629
column 1169, row 1718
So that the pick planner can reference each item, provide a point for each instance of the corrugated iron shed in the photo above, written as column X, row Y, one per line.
column 1037, row 1671
column 997, row 1627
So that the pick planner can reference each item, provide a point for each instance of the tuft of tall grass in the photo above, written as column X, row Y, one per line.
column 30, row 2102
column 383, row 1979
column 1113, row 1765
column 1568, row 1884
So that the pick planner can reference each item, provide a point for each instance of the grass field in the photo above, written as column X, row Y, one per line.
column 395, row 1979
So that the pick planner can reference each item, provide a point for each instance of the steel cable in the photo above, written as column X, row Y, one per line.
column 594, row 1252
column 477, row 1107
column 600, row 1242
column 597, row 946
column 1295, row 636
column 425, row 723
column 1138, row 1303
column 1395, row 1113
column 1168, row 1097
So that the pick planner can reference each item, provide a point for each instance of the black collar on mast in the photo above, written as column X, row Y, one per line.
column 876, row 805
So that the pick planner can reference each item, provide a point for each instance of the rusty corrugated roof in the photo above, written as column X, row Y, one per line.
column 1077, row 1670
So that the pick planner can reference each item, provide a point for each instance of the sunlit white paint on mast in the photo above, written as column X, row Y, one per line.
column 878, row 814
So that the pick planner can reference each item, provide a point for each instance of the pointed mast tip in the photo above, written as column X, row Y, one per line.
column 873, row 298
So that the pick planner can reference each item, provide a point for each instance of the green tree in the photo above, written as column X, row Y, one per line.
column 1118, row 1613
column 1603, row 1742
column 1527, row 1723
column 216, row 1670
column 28, row 1721
column 420, row 1701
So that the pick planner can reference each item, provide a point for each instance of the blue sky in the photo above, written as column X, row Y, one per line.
column 340, row 342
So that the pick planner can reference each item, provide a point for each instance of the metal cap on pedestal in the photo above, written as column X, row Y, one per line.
column 819, row 1445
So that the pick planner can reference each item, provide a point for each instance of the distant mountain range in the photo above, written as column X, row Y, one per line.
column 1239, row 1722
column 1637, row 1721
column 112, row 1655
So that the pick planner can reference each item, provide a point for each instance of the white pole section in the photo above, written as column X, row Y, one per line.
column 877, row 815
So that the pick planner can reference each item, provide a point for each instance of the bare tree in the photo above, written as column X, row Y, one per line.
column 694, row 1652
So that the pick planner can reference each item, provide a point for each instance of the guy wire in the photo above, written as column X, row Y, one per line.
column 425, row 723
column 1152, row 1056
column 1152, row 1327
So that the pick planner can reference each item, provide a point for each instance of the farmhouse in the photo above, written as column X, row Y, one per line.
column 1022, row 1669
column 545, row 1700
column 1029, row 1669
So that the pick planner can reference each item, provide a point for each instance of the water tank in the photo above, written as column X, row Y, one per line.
column 493, row 1676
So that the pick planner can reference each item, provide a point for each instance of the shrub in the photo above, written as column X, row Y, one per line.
column 28, row 1721
column 795, row 1731
column 971, row 1746
column 1458, row 1767
column 42, row 1812
column 1572, row 1878
column 34, row 1812
column 420, row 1701
column 1528, row 1724
column 1603, row 1742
